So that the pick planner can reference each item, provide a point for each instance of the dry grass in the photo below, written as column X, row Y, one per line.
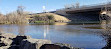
column 57, row 18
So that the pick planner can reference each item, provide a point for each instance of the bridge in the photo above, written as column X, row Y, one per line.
column 85, row 13
column 87, row 8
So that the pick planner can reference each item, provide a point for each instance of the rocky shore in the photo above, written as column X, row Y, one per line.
column 11, row 41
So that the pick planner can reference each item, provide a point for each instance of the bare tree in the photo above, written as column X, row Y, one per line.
column 77, row 5
column 20, row 10
column 21, row 15
column 2, row 18
column 18, row 16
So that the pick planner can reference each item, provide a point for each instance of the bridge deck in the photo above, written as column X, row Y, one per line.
column 86, row 9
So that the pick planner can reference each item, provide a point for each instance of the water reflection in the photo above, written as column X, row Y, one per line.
column 1, row 29
column 46, row 30
column 18, row 29
column 10, row 29
column 21, row 29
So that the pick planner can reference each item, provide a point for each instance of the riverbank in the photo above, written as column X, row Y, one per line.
column 47, row 18
column 11, row 41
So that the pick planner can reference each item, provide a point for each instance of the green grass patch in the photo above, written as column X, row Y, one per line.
column 94, row 27
column 40, row 21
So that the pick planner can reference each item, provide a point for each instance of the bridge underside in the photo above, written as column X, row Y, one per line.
column 93, row 11
column 84, row 15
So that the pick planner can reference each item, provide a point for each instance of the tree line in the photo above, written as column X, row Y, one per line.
column 16, row 17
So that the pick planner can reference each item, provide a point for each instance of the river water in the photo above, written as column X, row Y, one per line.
column 83, row 36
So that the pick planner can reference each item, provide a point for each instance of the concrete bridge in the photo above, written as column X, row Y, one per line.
column 94, row 8
column 85, row 13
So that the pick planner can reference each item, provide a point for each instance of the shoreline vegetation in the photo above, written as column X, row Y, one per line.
column 16, row 17
column 21, row 17
column 48, row 18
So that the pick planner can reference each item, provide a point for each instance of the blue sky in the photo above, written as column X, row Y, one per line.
column 7, row 6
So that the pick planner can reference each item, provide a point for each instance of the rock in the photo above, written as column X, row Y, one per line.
column 33, row 43
column 7, row 35
column 62, row 45
column 50, row 46
column 17, row 40
column 57, row 46
column 6, row 40
column 4, row 47
column 11, row 41
column 2, row 44
column 66, row 46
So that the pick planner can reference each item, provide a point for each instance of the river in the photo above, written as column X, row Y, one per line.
column 83, row 36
